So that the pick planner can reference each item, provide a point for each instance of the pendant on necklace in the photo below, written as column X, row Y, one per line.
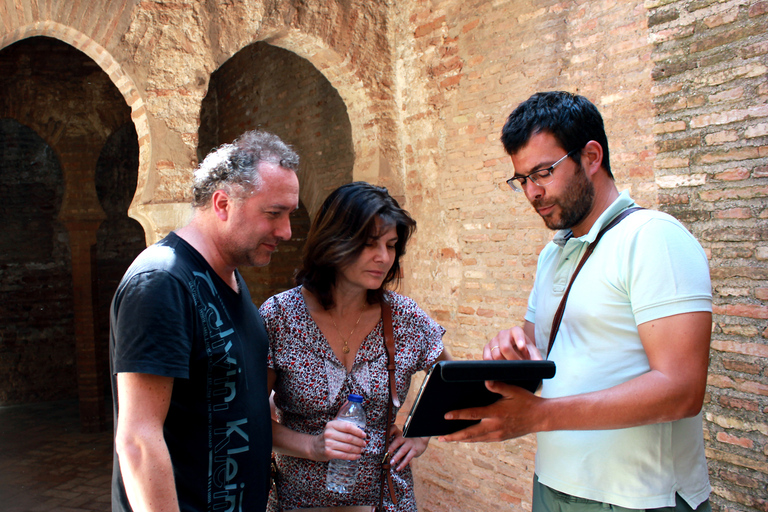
column 345, row 347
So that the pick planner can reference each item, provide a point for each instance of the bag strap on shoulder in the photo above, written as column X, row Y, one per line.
column 389, row 341
column 561, row 308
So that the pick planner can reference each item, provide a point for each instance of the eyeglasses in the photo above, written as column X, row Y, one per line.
column 541, row 177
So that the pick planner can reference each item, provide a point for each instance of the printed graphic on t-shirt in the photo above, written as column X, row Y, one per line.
column 228, row 439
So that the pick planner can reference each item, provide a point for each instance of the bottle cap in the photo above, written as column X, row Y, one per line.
column 355, row 398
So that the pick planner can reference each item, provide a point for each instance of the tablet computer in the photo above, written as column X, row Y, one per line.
column 452, row 385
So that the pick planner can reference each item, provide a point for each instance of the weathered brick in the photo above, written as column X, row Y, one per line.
column 758, row 9
column 724, row 38
column 731, row 291
column 743, row 367
column 722, row 56
column 675, row 32
column 736, row 174
column 759, row 130
column 670, row 199
column 428, row 28
column 728, row 95
column 739, row 441
column 731, row 422
column 719, row 118
column 754, row 273
column 738, row 479
column 672, row 126
column 734, row 213
column 697, row 5
column 732, row 251
column 733, row 73
column 687, row 215
column 671, row 68
column 734, row 193
column 658, row 17
column 746, row 310
column 754, row 50
column 734, row 234
column 448, row 253
column 669, row 145
column 672, row 162
column 721, row 18
column 714, row 139
column 683, row 180
column 749, row 349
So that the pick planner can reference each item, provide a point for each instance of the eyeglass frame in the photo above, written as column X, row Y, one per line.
column 532, row 176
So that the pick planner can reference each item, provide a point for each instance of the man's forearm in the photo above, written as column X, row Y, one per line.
column 649, row 398
column 148, row 476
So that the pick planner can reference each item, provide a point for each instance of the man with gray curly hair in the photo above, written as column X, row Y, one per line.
column 236, row 165
column 188, row 349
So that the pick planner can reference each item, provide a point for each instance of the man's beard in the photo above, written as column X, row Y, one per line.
column 574, row 204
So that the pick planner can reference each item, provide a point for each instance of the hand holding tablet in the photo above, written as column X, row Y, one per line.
column 453, row 385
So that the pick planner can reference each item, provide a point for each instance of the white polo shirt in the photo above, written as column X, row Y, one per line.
column 647, row 267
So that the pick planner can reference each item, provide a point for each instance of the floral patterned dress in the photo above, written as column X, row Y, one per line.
column 312, row 385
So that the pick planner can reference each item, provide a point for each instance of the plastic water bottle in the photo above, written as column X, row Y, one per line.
column 343, row 473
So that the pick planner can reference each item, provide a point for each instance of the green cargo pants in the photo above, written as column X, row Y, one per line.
column 550, row 500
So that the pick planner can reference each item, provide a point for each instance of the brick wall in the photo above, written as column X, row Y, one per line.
column 469, row 64
column 711, row 131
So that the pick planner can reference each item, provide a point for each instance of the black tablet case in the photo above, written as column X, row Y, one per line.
column 452, row 385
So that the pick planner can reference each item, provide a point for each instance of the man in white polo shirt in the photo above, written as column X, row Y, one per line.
column 620, row 423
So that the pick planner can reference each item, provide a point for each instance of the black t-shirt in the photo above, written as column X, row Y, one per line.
column 173, row 316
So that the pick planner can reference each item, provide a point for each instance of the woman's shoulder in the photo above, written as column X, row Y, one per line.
column 281, row 301
column 412, row 322
column 399, row 301
column 403, row 305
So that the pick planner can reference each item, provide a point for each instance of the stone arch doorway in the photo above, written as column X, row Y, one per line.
column 269, row 88
column 74, row 107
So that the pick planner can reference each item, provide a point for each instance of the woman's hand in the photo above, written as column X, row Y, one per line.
column 339, row 440
column 404, row 449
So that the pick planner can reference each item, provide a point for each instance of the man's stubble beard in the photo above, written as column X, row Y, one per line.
column 575, row 203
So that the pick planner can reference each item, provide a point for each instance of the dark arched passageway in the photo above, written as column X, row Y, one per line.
column 77, row 113
column 37, row 354
column 272, row 89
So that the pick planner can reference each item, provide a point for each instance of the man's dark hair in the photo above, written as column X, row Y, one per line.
column 235, row 167
column 344, row 225
column 572, row 119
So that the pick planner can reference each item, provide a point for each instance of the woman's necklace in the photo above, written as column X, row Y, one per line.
column 345, row 348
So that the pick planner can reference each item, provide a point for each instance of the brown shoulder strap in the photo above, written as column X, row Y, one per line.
column 561, row 308
column 394, row 401
column 389, row 341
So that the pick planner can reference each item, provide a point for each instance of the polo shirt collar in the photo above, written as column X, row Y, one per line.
column 621, row 203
